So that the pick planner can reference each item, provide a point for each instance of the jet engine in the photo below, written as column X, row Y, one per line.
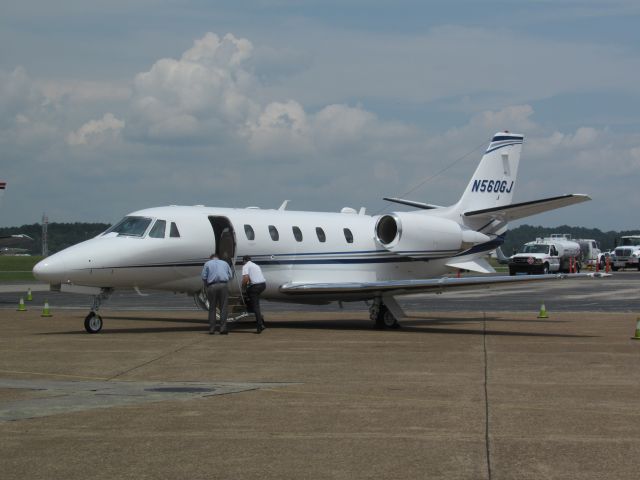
column 422, row 236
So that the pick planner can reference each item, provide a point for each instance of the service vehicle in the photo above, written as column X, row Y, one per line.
column 556, row 253
column 627, row 253
column 591, row 253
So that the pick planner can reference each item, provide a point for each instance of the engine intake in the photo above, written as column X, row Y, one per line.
column 420, row 236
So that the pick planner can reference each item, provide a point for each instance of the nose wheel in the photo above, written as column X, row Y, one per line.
column 93, row 323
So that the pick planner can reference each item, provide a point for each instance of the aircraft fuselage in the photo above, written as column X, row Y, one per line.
column 290, row 246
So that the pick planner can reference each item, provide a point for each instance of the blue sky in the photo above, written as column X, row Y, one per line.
column 110, row 106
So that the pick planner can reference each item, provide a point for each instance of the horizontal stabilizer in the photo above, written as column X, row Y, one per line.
column 411, row 203
column 521, row 210
column 479, row 265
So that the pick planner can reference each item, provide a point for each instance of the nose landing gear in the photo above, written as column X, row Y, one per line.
column 93, row 321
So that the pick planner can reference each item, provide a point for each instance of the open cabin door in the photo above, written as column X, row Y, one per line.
column 225, row 239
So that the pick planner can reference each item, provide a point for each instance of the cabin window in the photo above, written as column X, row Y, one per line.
column 348, row 236
column 174, row 231
column 321, row 236
column 130, row 227
column 248, row 231
column 273, row 231
column 297, row 233
column 158, row 229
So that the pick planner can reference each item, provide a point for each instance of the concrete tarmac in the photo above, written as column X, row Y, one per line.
column 320, row 394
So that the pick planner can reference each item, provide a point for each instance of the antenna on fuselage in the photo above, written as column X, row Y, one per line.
column 284, row 205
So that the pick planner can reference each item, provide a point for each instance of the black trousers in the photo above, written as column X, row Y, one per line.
column 253, row 291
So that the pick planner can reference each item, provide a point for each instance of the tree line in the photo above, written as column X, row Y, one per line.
column 63, row 235
column 59, row 235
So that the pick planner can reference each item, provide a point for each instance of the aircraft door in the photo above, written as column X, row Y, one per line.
column 225, row 239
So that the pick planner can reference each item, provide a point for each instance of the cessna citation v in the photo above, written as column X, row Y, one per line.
column 311, row 257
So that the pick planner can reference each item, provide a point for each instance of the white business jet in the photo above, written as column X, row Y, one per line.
column 311, row 257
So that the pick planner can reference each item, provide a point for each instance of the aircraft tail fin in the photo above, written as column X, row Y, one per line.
column 493, row 183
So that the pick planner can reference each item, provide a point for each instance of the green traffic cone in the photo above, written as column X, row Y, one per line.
column 637, row 335
column 21, row 307
column 45, row 310
column 543, row 312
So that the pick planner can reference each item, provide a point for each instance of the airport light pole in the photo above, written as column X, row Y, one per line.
column 45, row 245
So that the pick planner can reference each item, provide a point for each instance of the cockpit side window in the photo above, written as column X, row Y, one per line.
column 130, row 227
column 158, row 229
column 174, row 231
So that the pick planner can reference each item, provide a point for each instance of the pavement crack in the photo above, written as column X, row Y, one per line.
column 159, row 357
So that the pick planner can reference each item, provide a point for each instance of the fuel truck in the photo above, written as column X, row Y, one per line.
column 547, row 255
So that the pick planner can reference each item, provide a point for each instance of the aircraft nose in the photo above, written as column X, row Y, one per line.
column 51, row 269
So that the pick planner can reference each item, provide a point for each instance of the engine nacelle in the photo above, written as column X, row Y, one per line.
column 422, row 236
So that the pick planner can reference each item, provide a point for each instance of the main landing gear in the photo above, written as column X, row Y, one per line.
column 93, row 321
column 385, row 312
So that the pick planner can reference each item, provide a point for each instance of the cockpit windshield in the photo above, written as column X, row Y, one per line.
column 536, row 248
column 130, row 226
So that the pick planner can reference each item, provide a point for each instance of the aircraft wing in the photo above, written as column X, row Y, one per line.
column 526, row 209
column 433, row 285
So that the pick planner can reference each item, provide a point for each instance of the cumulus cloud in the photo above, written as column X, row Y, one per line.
column 96, row 131
column 207, row 88
column 211, row 95
column 18, row 96
column 280, row 128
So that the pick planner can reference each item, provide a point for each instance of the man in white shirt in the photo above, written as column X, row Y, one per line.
column 255, row 284
column 216, row 274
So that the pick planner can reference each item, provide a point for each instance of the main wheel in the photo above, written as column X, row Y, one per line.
column 385, row 319
column 389, row 320
column 93, row 323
